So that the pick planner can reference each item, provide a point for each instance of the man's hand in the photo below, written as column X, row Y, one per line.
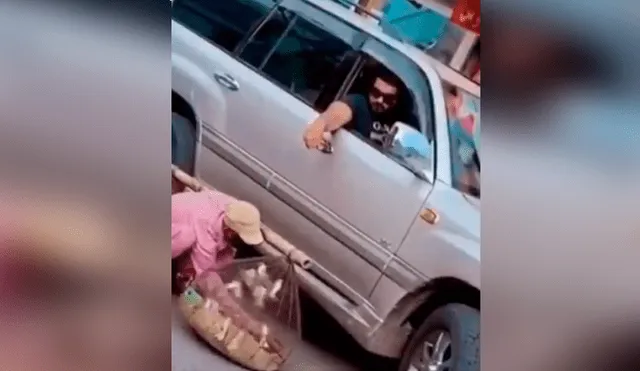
column 318, row 133
column 314, row 135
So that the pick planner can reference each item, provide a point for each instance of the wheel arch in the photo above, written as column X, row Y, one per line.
column 180, row 106
column 185, row 153
column 418, row 304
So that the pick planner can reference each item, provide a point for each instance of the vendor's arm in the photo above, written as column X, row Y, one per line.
column 210, row 250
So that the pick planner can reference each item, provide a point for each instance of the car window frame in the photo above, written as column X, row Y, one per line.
column 411, row 77
column 312, row 14
column 256, row 25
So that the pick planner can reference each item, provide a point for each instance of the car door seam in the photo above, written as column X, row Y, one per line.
column 270, row 180
column 341, row 221
column 348, row 293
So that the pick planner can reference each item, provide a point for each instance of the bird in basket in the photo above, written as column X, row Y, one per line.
column 204, row 228
column 259, row 283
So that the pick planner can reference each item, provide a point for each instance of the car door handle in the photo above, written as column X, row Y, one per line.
column 227, row 81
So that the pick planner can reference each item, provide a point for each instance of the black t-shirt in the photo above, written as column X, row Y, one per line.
column 365, row 121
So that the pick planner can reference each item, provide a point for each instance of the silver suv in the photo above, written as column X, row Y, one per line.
column 394, row 232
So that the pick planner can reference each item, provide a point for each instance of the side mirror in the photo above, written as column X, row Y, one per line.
column 410, row 147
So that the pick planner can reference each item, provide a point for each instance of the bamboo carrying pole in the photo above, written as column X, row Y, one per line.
column 186, row 179
column 272, row 239
column 286, row 248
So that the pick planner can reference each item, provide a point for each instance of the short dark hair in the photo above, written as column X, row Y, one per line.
column 389, row 77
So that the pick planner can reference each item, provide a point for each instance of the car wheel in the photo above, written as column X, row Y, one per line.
column 183, row 142
column 448, row 340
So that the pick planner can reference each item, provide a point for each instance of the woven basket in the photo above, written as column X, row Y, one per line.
column 228, row 336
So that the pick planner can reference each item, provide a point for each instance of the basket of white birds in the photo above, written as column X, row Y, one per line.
column 249, row 311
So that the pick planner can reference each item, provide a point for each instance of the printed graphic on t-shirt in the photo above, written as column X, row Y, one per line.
column 379, row 131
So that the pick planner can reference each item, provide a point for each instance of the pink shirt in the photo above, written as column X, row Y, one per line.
column 196, row 223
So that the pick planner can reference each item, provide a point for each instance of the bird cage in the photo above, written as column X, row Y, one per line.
column 248, row 311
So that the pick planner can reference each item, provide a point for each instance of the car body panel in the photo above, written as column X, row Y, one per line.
column 276, row 209
column 448, row 248
column 191, row 77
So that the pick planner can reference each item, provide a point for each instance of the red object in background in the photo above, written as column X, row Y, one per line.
column 468, row 123
column 466, row 14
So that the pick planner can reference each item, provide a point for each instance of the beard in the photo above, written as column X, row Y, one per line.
column 378, row 107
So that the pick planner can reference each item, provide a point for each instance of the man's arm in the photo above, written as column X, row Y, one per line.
column 337, row 115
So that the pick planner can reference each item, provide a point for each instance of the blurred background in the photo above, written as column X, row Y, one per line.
column 561, row 147
column 84, row 157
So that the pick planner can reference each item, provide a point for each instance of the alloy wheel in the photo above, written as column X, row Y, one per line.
column 434, row 354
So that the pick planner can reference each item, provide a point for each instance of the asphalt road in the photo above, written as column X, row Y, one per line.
column 326, row 348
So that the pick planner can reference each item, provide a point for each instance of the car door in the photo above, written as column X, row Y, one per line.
column 298, row 52
column 358, row 195
column 379, row 199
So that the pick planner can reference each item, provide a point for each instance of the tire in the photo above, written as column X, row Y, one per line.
column 183, row 143
column 462, row 324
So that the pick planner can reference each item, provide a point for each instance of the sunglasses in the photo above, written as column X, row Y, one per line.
column 388, row 98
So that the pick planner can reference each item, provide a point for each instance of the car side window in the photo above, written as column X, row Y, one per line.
column 463, row 113
column 377, row 129
column 300, row 55
column 225, row 23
